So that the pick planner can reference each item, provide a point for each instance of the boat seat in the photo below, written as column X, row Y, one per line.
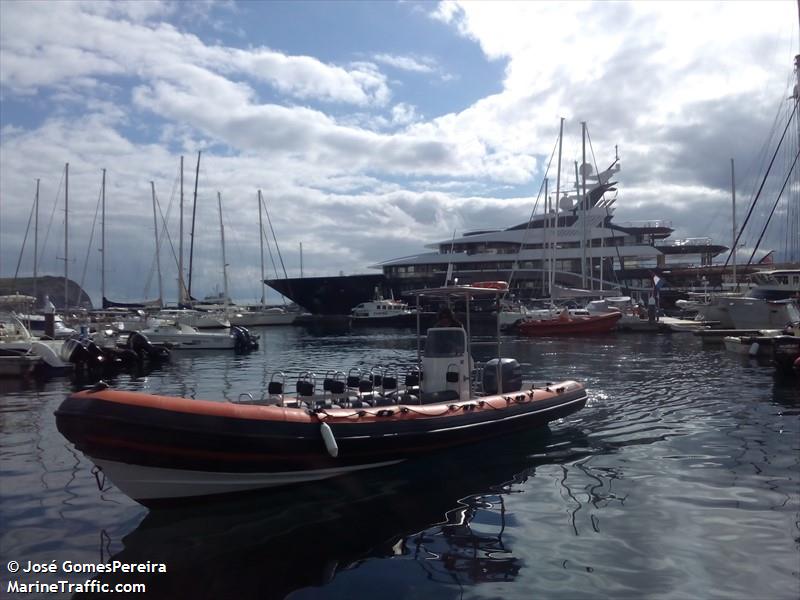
column 412, row 379
column 334, row 386
column 305, row 388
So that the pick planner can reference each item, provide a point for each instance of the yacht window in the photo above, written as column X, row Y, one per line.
column 445, row 343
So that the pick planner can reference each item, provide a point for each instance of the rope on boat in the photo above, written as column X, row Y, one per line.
column 522, row 398
column 99, row 478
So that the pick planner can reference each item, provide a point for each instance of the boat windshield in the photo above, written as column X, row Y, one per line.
column 447, row 342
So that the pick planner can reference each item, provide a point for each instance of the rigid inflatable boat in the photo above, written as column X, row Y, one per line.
column 159, row 449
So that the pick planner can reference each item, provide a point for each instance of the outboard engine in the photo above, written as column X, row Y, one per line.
column 243, row 341
column 73, row 352
column 83, row 355
column 510, row 375
column 144, row 348
column 97, row 358
column 446, row 365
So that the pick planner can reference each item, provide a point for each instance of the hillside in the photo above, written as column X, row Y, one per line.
column 47, row 285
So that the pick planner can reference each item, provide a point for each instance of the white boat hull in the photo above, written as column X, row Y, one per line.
column 149, row 483
column 18, row 366
column 49, row 351
column 754, row 313
column 261, row 319
column 184, row 337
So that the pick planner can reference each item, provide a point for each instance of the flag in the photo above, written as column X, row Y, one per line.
column 658, row 283
column 768, row 259
column 449, row 274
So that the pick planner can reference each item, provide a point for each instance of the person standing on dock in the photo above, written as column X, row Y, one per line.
column 651, row 309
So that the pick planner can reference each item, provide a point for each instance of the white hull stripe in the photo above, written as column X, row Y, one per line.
column 152, row 483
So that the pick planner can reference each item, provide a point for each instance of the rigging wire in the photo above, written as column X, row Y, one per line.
column 24, row 240
column 774, row 206
column 761, row 213
column 50, row 222
column 164, row 232
column 608, row 212
column 277, row 248
column 761, row 187
column 89, row 245
column 269, row 248
column 530, row 219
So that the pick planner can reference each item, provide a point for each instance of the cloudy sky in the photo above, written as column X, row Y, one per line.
column 372, row 128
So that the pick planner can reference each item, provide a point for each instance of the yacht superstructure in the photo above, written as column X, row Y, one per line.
column 574, row 243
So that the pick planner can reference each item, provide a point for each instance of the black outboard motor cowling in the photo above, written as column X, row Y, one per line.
column 145, row 349
column 244, row 342
column 511, row 373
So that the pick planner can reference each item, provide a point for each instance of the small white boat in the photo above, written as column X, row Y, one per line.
column 37, row 326
column 257, row 316
column 383, row 312
column 770, row 303
column 17, row 363
column 758, row 313
column 195, row 318
column 180, row 336
column 15, row 337
column 752, row 345
column 632, row 317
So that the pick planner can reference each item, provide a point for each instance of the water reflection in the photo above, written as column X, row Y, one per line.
column 446, row 513
column 681, row 469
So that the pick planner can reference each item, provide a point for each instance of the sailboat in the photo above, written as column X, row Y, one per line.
column 262, row 314
column 105, row 301
column 564, row 321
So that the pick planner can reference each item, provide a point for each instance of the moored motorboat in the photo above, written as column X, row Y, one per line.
column 566, row 324
column 751, row 345
column 16, row 338
column 163, row 449
column 17, row 363
column 383, row 312
column 260, row 316
column 184, row 337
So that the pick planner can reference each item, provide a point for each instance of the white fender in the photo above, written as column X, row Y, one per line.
column 330, row 441
column 753, row 349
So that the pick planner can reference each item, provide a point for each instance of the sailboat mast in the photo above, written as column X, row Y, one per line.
column 583, row 228
column 103, row 240
column 544, row 244
column 158, row 252
column 222, row 236
column 558, row 197
column 36, row 241
column 733, row 227
column 261, row 247
column 66, row 235
column 584, row 206
column 181, row 289
column 194, row 214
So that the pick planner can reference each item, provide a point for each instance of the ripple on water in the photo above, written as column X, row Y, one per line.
column 678, row 480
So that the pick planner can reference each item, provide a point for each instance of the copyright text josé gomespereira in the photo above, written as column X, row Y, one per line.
column 68, row 566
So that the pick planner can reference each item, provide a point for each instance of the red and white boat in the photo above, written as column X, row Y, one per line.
column 162, row 449
column 567, row 324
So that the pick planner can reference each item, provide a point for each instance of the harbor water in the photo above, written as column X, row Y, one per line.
column 680, row 479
